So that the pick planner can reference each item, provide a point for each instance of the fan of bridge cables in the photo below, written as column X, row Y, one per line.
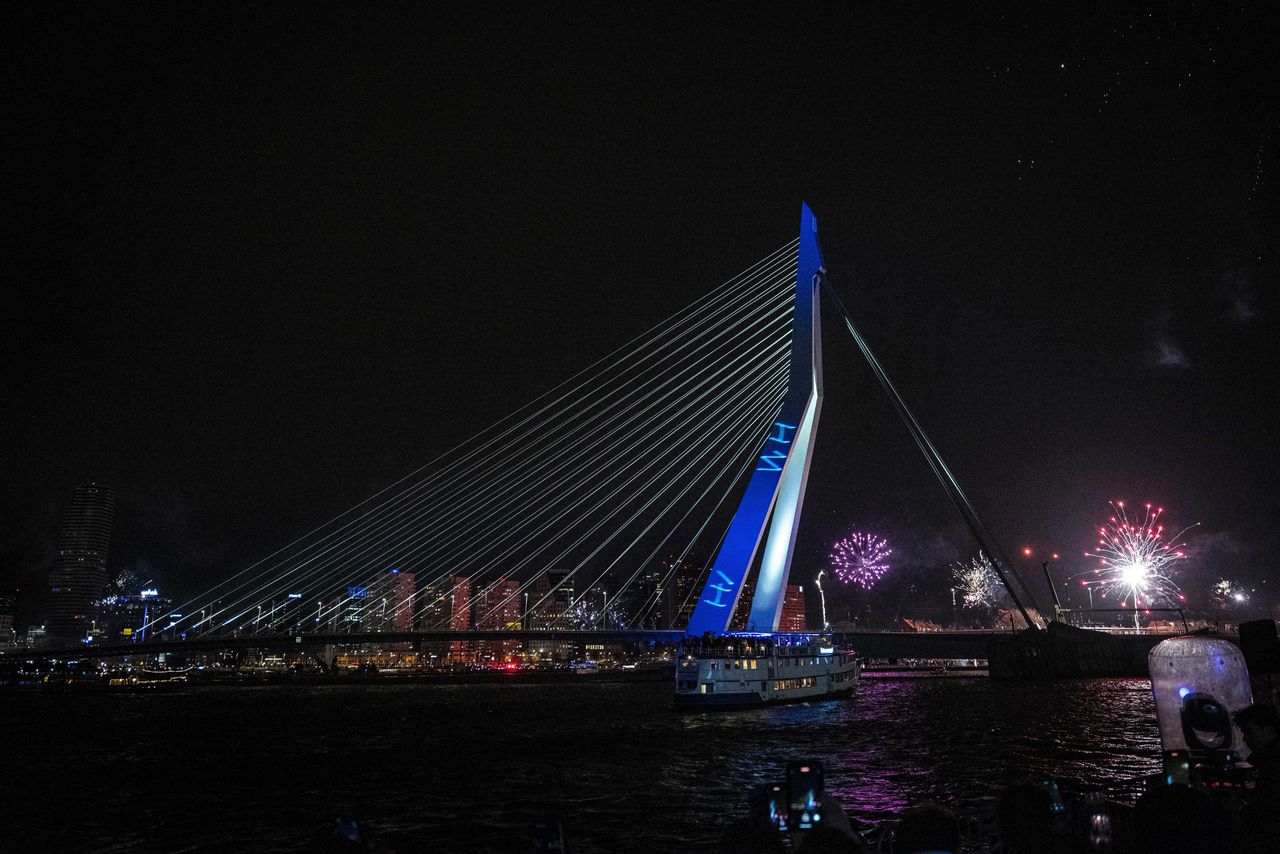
column 601, row 480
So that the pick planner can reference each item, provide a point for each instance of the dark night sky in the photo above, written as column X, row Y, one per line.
column 269, row 260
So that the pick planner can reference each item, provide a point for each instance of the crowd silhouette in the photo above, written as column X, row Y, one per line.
column 1030, row 818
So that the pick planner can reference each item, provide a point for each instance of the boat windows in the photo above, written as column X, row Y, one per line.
column 793, row 684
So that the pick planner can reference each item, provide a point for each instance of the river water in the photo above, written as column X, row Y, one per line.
column 469, row 767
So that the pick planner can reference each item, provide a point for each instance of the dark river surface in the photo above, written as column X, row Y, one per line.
column 468, row 767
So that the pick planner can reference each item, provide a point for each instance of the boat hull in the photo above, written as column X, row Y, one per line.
column 752, row 699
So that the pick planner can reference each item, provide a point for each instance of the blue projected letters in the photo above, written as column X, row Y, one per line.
column 782, row 433
column 773, row 460
column 720, row 589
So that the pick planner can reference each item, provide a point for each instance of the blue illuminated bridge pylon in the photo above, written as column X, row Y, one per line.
column 775, row 493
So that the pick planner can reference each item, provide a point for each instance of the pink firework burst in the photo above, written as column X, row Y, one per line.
column 1136, row 559
column 860, row 559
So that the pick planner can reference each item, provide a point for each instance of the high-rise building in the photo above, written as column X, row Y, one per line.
column 8, row 606
column 792, row 618
column 446, row 604
column 79, row 577
column 498, row 607
column 742, row 611
column 685, row 583
column 393, row 600
column 643, row 601
column 550, row 596
column 351, row 609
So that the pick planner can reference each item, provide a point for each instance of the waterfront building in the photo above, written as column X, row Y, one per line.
column 686, row 578
column 643, row 602
column 287, row 614
column 351, row 609
column 498, row 607
column 391, row 602
column 549, row 600
column 8, row 606
column 792, row 618
column 35, row 637
column 125, row 616
column 446, row 604
column 79, row 577
column 742, row 611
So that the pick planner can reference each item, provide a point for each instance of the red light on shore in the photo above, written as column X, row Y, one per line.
column 1027, row 551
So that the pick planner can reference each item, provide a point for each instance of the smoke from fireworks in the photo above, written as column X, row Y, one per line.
column 860, row 559
column 1227, row 593
column 977, row 582
column 1137, row 559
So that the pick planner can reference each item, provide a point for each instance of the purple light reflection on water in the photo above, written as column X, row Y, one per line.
column 956, row 740
column 469, row 767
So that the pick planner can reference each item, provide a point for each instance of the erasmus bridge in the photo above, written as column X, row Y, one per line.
column 580, row 514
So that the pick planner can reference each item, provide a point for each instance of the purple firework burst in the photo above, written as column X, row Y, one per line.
column 860, row 559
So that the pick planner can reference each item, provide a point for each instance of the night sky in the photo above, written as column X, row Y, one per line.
column 270, row 259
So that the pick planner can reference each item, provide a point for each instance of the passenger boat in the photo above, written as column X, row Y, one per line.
column 741, row 670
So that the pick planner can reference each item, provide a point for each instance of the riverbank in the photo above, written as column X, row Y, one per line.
column 221, row 679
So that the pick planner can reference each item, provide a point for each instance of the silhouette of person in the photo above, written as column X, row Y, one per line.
column 1260, row 819
column 930, row 828
column 1179, row 820
column 1024, row 817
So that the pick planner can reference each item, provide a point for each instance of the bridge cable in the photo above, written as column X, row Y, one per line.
column 999, row 560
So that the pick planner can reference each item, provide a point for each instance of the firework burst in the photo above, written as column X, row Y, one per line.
column 588, row 614
column 1228, row 594
column 860, row 559
column 977, row 582
column 1137, row 559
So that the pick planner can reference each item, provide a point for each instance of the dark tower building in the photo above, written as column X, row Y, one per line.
column 79, row 577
